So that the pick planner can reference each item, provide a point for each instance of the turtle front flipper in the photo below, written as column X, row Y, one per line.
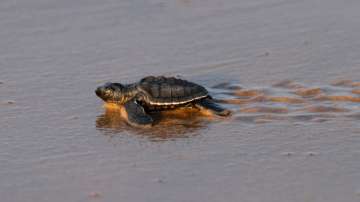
column 136, row 115
column 208, row 106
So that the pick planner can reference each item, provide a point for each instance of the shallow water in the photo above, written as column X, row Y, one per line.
column 288, row 69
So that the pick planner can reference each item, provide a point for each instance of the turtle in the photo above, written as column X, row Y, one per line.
column 158, row 93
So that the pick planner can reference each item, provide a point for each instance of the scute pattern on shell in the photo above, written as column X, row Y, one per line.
column 170, row 90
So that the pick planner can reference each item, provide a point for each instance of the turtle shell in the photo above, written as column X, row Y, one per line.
column 170, row 91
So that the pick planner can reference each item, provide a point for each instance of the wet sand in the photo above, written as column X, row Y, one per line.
column 289, row 70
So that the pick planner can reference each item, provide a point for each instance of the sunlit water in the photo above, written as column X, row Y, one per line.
column 289, row 70
column 283, row 101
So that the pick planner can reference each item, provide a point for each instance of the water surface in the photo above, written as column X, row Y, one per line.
column 294, row 136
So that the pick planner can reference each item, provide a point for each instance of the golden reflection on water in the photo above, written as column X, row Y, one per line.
column 167, row 125
column 291, row 101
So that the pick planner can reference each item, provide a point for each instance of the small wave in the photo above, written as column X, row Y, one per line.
column 288, row 84
column 308, row 92
column 346, row 83
column 323, row 109
column 228, row 86
column 261, row 98
column 248, row 93
column 277, row 110
column 338, row 98
column 356, row 91
column 285, row 100
column 354, row 116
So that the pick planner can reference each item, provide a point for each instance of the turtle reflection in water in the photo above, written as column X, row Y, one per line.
column 168, row 126
column 154, row 94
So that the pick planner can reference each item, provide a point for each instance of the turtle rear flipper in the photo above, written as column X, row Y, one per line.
column 136, row 115
column 210, row 106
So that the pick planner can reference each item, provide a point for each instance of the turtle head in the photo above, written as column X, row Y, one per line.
column 112, row 92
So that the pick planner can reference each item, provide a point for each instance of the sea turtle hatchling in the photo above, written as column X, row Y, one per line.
column 156, row 94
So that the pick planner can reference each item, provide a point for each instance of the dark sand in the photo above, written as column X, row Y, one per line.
column 58, row 144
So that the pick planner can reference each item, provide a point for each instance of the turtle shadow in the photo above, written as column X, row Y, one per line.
column 166, row 126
